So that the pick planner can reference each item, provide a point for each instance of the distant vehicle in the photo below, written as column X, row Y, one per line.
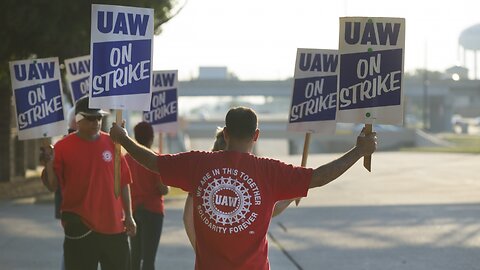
column 456, row 119
column 476, row 121
column 460, row 124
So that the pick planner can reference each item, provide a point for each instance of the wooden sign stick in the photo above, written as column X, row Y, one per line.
column 46, row 142
column 160, row 142
column 367, row 160
column 118, row 152
column 306, row 146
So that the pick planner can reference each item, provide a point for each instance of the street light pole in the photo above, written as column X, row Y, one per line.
column 425, row 92
column 425, row 100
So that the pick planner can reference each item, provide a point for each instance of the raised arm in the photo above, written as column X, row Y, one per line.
column 141, row 154
column 366, row 145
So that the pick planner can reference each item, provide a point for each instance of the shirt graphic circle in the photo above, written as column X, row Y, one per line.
column 107, row 156
column 226, row 201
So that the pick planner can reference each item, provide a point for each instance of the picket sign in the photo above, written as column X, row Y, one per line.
column 121, row 63
column 37, row 93
column 370, row 87
column 314, row 95
column 163, row 113
column 78, row 76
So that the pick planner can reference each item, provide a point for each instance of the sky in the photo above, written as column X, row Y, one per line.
column 258, row 39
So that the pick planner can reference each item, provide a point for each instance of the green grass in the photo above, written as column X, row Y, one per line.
column 174, row 192
column 461, row 144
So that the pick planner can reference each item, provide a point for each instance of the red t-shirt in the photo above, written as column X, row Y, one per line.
column 144, row 188
column 85, row 173
column 233, row 198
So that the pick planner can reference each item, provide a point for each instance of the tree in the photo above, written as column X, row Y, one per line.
column 48, row 28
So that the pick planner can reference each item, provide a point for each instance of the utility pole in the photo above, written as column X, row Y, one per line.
column 425, row 92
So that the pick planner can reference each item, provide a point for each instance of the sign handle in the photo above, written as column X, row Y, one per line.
column 306, row 146
column 118, row 152
column 160, row 142
column 367, row 160
column 46, row 142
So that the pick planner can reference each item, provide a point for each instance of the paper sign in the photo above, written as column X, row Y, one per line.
column 164, row 106
column 37, row 92
column 371, row 70
column 121, row 50
column 314, row 98
column 78, row 76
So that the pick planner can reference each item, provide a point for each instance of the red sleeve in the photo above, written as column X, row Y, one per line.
column 288, row 181
column 177, row 170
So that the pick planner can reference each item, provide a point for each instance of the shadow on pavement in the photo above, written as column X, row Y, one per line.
column 414, row 237
column 438, row 236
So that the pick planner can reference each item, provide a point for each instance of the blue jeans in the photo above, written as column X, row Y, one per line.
column 145, row 243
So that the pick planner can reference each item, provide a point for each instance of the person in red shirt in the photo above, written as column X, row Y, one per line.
column 235, row 192
column 147, row 201
column 95, row 223
column 188, row 223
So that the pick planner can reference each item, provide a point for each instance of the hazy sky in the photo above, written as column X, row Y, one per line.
column 257, row 39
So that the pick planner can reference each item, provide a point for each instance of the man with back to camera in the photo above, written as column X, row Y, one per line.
column 96, row 223
column 235, row 192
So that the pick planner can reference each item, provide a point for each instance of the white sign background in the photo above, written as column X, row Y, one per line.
column 165, row 126
column 48, row 130
column 140, row 101
column 320, row 126
column 73, row 77
column 392, row 114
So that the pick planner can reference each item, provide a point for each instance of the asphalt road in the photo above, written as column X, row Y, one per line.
column 413, row 211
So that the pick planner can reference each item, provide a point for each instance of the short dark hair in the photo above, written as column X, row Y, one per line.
column 241, row 122
column 143, row 133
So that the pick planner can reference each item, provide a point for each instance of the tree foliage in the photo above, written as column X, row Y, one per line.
column 60, row 28
column 49, row 28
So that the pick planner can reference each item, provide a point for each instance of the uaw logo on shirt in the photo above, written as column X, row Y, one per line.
column 226, row 198
column 107, row 156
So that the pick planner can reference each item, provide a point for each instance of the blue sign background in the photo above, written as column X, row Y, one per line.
column 329, row 87
column 52, row 89
column 76, row 89
column 141, row 51
column 391, row 60
column 170, row 96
